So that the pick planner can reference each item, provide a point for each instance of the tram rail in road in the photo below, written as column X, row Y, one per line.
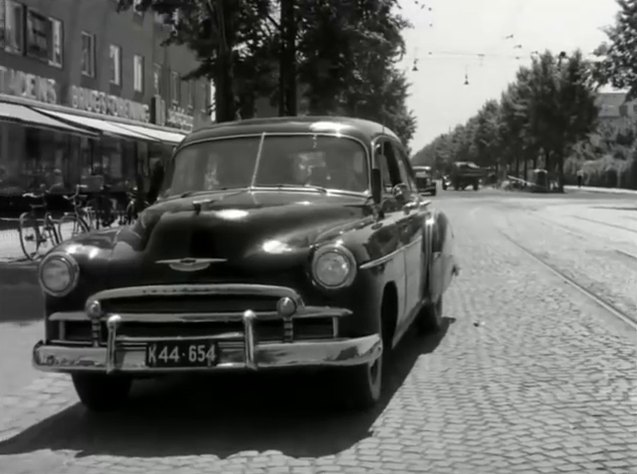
column 598, row 300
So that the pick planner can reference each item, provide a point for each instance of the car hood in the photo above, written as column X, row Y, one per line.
column 240, row 234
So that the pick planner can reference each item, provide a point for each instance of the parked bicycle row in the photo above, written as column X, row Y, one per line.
column 40, row 231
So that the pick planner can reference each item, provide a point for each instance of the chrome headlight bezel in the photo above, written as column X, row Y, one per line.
column 342, row 252
column 73, row 270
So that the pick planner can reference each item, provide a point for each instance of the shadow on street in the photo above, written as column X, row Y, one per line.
column 225, row 414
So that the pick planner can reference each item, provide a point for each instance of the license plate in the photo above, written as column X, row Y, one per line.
column 201, row 353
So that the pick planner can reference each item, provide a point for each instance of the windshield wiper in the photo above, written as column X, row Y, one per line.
column 300, row 186
column 207, row 191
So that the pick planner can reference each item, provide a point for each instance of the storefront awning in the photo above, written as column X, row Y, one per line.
column 173, row 138
column 104, row 126
column 30, row 117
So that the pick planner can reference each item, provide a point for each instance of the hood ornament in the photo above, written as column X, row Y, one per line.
column 190, row 264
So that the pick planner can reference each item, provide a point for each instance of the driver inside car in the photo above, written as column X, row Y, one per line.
column 346, row 170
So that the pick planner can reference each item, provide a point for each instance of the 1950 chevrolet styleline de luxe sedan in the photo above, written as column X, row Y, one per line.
column 278, row 243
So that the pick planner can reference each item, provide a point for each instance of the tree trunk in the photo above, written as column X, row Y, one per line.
column 224, row 91
column 287, row 61
column 517, row 165
column 526, row 168
column 290, row 31
column 560, row 172
column 224, row 94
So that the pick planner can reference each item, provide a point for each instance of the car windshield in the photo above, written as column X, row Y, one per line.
column 325, row 162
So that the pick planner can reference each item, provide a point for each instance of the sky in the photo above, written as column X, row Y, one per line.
column 446, row 43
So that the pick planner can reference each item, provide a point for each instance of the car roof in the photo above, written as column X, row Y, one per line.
column 364, row 130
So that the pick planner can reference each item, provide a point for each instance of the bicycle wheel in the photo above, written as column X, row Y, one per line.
column 50, row 236
column 30, row 235
column 70, row 225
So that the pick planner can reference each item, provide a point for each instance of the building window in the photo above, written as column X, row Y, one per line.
column 115, row 54
column 44, row 38
column 3, row 15
column 138, row 73
column 203, row 96
column 57, row 42
column 13, row 26
column 38, row 28
column 174, row 88
column 157, row 79
column 88, row 54
column 190, row 90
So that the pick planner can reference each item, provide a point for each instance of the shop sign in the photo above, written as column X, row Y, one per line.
column 27, row 85
column 176, row 117
column 106, row 104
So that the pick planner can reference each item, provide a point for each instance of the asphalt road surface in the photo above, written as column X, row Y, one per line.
column 535, row 372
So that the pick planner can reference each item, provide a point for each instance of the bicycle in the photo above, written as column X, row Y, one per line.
column 104, row 208
column 80, row 220
column 32, row 232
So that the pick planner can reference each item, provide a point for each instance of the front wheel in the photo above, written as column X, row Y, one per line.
column 101, row 392
column 362, row 384
column 429, row 318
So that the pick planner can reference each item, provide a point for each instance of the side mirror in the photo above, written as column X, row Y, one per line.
column 377, row 185
column 400, row 192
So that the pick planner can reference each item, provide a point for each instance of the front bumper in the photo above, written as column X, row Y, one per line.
column 344, row 352
column 236, row 350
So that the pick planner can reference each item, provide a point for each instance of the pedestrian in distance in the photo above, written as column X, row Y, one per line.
column 580, row 178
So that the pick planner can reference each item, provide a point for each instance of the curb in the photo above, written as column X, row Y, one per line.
column 20, row 295
column 600, row 190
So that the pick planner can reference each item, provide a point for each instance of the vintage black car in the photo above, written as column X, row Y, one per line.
column 275, row 243
column 424, row 180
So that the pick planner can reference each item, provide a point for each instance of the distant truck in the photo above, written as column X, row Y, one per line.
column 424, row 180
column 464, row 174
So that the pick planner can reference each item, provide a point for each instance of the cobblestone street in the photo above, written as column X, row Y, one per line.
column 529, row 375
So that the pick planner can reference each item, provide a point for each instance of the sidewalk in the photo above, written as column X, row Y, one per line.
column 593, row 189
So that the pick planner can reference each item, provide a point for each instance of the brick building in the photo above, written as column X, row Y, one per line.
column 85, row 90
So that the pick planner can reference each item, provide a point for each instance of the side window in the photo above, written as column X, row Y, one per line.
column 404, row 169
column 383, row 164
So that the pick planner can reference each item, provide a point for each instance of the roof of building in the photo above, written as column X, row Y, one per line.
column 361, row 129
column 610, row 102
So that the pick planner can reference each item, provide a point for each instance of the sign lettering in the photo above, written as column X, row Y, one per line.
column 107, row 104
column 29, row 86
column 178, row 118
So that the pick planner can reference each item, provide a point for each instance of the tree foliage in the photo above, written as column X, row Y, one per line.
column 619, row 64
column 547, row 110
column 342, row 54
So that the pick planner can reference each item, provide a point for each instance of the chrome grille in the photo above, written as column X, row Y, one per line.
column 265, row 330
column 186, row 311
column 190, row 303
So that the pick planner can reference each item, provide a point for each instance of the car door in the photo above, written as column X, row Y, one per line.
column 412, row 220
column 387, row 232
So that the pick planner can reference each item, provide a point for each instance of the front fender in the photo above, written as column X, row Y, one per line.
column 442, row 264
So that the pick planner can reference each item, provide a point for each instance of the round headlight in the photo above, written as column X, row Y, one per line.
column 333, row 267
column 58, row 274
